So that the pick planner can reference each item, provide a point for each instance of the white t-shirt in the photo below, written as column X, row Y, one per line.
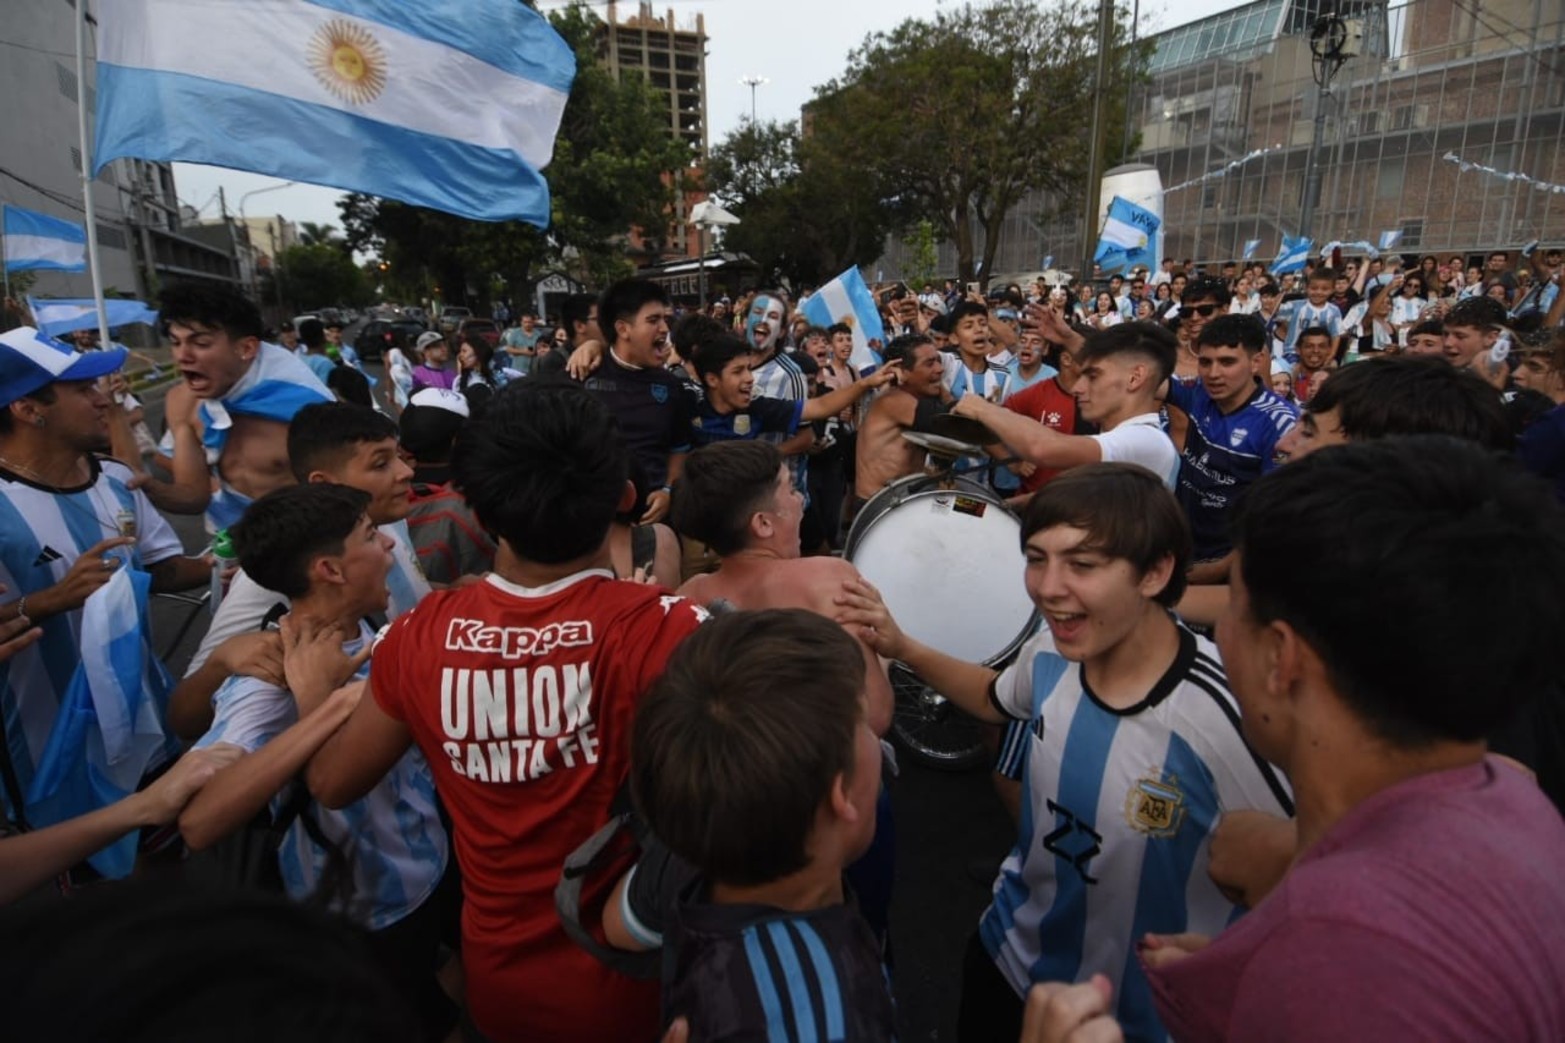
column 1141, row 440
column 247, row 603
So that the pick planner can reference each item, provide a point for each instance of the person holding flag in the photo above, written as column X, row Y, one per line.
column 81, row 549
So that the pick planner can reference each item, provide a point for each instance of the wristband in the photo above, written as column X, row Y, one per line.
column 21, row 610
column 666, row 489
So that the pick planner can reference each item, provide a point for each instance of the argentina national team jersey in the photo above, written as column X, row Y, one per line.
column 780, row 377
column 43, row 532
column 1116, row 821
column 394, row 845
column 993, row 385
column 1303, row 315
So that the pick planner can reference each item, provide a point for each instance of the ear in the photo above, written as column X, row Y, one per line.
column 249, row 347
column 760, row 525
column 627, row 497
column 842, row 808
column 1156, row 578
column 327, row 568
column 319, row 476
column 1288, row 657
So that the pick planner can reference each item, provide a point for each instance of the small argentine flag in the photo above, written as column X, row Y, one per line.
column 847, row 299
column 59, row 316
column 1128, row 234
column 1250, row 246
column 1390, row 238
column 1295, row 251
column 38, row 241
column 449, row 104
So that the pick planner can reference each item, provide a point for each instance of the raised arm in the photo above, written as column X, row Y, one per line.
column 1036, row 443
column 831, row 404
column 190, row 489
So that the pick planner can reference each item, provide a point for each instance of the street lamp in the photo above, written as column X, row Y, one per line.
column 244, row 220
column 753, row 82
column 1333, row 41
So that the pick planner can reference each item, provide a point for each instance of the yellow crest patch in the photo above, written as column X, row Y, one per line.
column 1155, row 805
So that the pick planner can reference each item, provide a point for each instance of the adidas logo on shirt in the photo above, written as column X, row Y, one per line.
column 46, row 556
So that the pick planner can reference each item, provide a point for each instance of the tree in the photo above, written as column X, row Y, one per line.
column 961, row 116
column 312, row 234
column 607, row 176
column 804, row 212
column 923, row 254
column 322, row 275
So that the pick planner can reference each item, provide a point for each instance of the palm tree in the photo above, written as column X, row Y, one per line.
column 312, row 234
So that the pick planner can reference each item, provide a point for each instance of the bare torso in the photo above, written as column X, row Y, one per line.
column 882, row 454
column 755, row 583
column 255, row 457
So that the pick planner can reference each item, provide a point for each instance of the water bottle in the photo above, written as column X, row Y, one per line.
column 223, row 559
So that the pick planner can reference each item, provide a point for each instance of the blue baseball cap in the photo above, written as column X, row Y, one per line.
column 29, row 361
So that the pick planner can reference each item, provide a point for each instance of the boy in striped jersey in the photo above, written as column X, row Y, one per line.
column 1133, row 755
column 754, row 761
column 379, row 860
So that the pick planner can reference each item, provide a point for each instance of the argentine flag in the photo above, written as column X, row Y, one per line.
column 1390, row 238
column 1250, row 246
column 1295, row 251
column 1129, row 233
column 847, row 299
column 448, row 104
column 59, row 316
column 38, row 241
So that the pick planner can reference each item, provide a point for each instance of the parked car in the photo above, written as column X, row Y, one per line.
column 452, row 316
column 378, row 335
column 485, row 328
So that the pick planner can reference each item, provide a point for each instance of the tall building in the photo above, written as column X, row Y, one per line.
column 1479, row 81
column 671, row 56
column 137, row 210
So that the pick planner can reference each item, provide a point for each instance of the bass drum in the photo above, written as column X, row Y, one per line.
column 946, row 557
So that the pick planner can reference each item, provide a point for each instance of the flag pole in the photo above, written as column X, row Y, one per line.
column 86, row 150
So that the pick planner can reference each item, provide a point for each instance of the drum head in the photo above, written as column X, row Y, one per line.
column 949, row 565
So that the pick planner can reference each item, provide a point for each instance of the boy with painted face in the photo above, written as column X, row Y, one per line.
column 778, row 376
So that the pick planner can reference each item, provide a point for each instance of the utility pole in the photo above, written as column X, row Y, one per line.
column 1089, row 223
column 753, row 82
column 1330, row 47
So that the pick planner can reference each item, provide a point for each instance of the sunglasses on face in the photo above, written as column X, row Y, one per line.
column 1203, row 310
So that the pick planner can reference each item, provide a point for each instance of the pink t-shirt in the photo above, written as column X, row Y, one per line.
column 1434, row 911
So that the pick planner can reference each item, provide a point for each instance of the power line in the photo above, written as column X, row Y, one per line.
column 1525, row 50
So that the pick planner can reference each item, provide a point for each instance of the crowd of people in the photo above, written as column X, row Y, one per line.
column 539, row 700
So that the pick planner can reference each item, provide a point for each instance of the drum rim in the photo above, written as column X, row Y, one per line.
column 858, row 532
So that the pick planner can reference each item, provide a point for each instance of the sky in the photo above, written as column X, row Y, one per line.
column 796, row 46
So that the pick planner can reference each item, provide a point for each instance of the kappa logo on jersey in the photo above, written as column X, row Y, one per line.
column 1155, row 805
column 474, row 635
column 46, row 556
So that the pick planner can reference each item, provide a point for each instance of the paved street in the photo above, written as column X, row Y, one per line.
column 946, row 825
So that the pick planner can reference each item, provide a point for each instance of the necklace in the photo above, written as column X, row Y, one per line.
column 123, row 523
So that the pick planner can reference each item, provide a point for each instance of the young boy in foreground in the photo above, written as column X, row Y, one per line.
column 754, row 762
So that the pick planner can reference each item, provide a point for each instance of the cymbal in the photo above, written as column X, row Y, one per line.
column 962, row 429
column 941, row 446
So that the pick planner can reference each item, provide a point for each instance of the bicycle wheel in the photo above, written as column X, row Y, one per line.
column 931, row 728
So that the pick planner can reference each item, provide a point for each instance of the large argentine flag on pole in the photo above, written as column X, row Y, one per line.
column 449, row 104
column 847, row 299
column 38, row 241
column 1129, row 236
column 58, row 316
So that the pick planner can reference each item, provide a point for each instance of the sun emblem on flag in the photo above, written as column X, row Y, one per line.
column 348, row 61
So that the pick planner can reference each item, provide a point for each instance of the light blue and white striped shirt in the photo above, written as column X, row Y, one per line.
column 1116, row 821
column 394, row 845
column 42, row 533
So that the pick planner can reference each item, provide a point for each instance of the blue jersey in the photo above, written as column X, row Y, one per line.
column 994, row 384
column 394, row 844
column 763, row 416
column 781, row 378
column 1223, row 454
column 1116, row 821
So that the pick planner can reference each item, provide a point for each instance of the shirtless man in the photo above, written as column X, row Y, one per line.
column 738, row 498
column 882, row 454
column 231, row 410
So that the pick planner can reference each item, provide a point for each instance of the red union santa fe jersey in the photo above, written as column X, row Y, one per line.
column 522, row 701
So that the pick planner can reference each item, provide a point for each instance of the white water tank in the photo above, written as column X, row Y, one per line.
column 1138, row 183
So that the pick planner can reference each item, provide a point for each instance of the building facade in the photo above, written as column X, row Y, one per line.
column 1481, row 81
column 670, row 55
column 140, row 240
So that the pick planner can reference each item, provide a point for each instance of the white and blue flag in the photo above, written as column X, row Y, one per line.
column 1295, row 251
column 846, row 299
column 1390, row 238
column 56, row 317
column 1129, row 237
column 1250, row 246
column 35, row 241
column 448, row 104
